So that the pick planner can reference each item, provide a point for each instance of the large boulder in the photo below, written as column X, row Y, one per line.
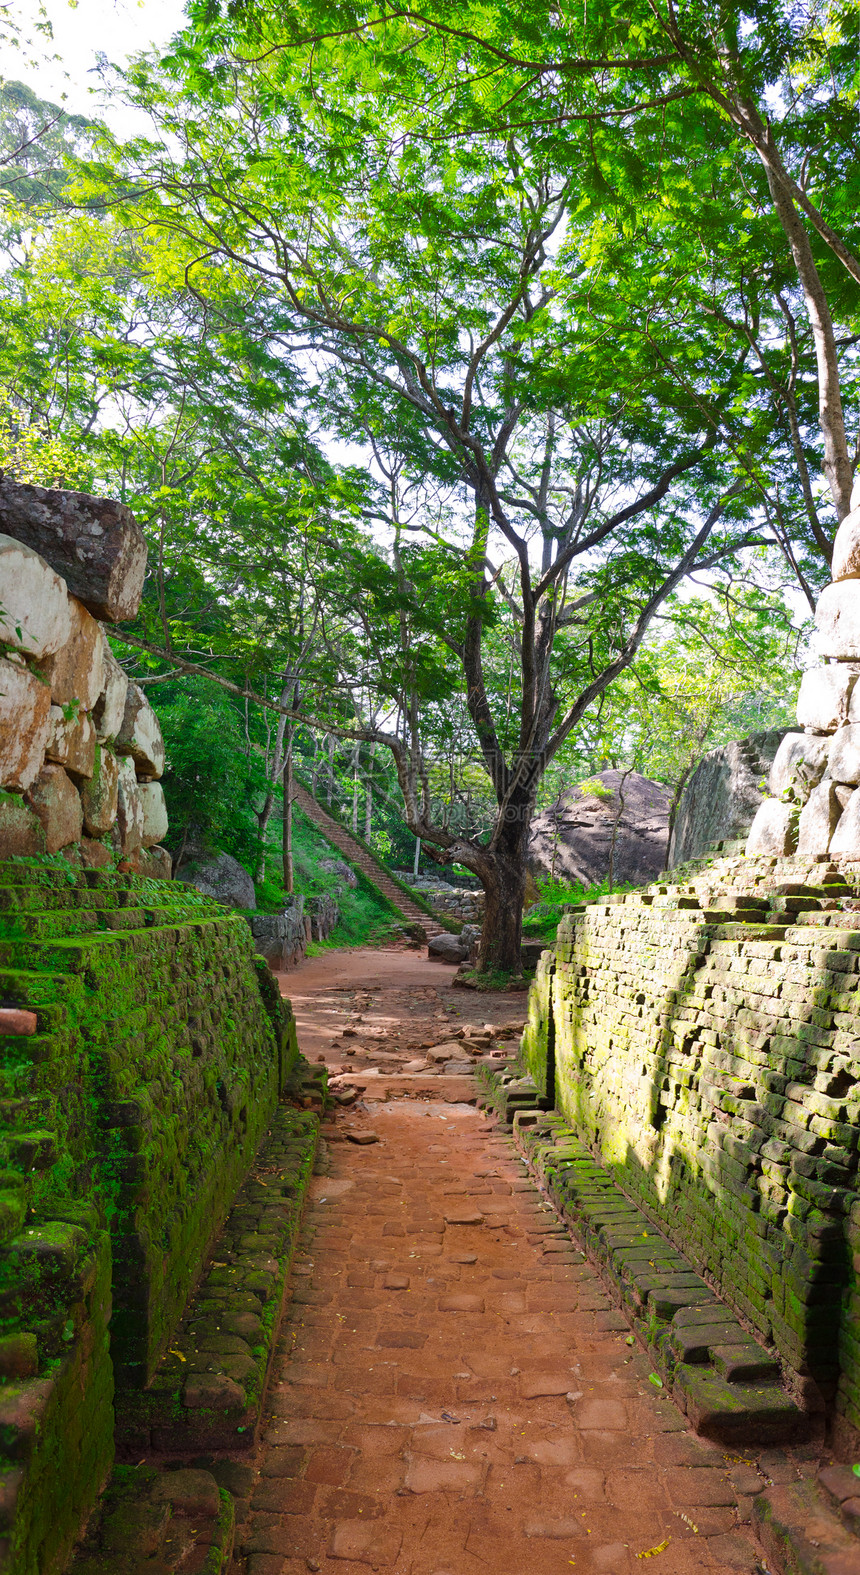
column 99, row 795
column 281, row 938
column 221, row 877
column 76, row 672
column 72, row 741
column 773, row 831
column 21, row 832
column 109, row 709
column 25, row 722
column 154, row 813
column 34, row 602
column 837, row 620
column 720, row 800
column 447, row 949
column 129, row 809
column 54, row 800
column 96, row 544
column 573, row 839
column 798, row 765
column 324, row 914
column 140, row 735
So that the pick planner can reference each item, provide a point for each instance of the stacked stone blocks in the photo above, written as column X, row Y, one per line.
column 130, row 1117
column 81, row 751
column 815, row 777
column 704, row 1042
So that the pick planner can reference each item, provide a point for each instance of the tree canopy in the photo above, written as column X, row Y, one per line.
column 442, row 355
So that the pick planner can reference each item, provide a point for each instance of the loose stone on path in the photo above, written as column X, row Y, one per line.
column 450, row 1393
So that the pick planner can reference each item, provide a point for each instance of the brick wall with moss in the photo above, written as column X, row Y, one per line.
column 129, row 1120
column 705, row 1042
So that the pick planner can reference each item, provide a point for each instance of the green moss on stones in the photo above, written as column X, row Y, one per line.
column 129, row 1119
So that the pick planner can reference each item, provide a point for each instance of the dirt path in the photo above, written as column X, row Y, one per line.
column 453, row 1390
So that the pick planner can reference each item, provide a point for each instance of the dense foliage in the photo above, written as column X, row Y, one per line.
column 480, row 378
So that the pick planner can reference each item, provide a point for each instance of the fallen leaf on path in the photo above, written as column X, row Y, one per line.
column 650, row 1553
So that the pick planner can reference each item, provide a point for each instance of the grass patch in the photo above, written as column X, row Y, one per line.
column 495, row 982
column 558, row 898
column 367, row 918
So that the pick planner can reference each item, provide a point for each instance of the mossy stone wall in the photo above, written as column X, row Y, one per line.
column 705, row 1042
column 129, row 1120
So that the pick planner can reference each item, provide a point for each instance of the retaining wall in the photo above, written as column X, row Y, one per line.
column 131, row 1116
column 704, row 1040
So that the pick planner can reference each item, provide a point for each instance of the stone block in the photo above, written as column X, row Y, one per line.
column 94, row 855
column 774, row 830
column 799, row 764
column 99, row 795
column 96, row 544
column 845, row 842
column 846, row 548
column 25, row 704
column 22, row 834
column 825, row 693
column 154, row 863
column 843, row 760
column 190, row 1492
column 154, row 813
column 76, row 672
column 837, row 620
column 129, row 809
column 55, row 802
column 34, row 602
column 109, row 709
column 72, row 741
column 818, row 819
column 140, row 735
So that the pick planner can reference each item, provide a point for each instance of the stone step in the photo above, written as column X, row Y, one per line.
column 375, row 872
column 178, row 1520
column 698, row 1346
column 803, row 1533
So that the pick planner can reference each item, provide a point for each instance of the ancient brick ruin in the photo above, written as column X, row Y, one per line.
column 144, row 1053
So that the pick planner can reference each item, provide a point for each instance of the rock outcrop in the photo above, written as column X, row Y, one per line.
column 815, row 777
column 573, row 840
column 222, row 877
column 720, row 799
column 95, row 544
column 80, row 748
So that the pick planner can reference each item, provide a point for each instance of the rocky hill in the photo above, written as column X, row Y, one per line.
column 572, row 840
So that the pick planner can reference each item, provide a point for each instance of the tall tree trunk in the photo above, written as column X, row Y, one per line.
column 416, row 861
column 330, row 794
column 502, row 874
column 504, row 881
column 288, row 819
column 263, row 819
column 610, row 873
column 265, row 813
column 355, row 791
column 368, row 797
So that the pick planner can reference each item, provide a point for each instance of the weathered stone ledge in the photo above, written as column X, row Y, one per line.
column 724, row 1381
column 170, row 1521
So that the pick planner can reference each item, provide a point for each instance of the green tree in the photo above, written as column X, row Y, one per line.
column 420, row 282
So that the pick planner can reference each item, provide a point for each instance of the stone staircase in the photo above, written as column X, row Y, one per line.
column 375, row 871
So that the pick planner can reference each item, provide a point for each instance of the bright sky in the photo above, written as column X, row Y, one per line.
column 65, row 65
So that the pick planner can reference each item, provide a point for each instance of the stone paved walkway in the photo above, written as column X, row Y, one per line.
column 454, row 1393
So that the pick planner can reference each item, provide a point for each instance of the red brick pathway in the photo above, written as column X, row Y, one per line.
column 454, row 1393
